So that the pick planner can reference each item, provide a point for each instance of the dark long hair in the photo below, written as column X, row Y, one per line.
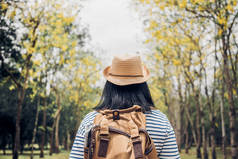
column 122, row 97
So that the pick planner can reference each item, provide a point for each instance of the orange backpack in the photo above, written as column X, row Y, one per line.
column 119, row 134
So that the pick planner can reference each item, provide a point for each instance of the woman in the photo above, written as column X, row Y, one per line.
column 126, row 86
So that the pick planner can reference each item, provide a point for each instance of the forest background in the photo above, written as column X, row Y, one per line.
column 49, row 80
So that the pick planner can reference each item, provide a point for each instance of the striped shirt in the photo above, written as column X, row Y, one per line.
column 157, row 125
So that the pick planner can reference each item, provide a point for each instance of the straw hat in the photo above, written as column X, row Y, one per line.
column 126, row 69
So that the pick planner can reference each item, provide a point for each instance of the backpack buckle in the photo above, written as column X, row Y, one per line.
column 116, row 115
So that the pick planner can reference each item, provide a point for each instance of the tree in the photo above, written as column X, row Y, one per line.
column 185, row 35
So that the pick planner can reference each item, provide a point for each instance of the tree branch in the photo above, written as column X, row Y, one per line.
column 18, row 84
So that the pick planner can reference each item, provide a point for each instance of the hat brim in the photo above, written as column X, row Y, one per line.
column 126, row 80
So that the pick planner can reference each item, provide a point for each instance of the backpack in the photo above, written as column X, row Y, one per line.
column 119, row 134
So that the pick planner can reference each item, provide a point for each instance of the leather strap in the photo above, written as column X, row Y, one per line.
column 104, row 138
column 148, row 150
column 93, row 141
column 118, row 131
column 137, row 147
column 136, row 141
column 103, row 146
column 86, row 153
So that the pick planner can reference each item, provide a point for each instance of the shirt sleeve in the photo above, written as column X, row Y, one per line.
column 77, row 151
column 169, row 149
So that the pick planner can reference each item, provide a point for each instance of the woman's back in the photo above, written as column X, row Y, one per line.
column 157, row 125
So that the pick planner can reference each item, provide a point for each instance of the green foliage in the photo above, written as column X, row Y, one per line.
column 9, row 51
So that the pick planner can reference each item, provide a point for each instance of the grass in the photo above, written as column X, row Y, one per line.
column 26, row 155
column 65, row 154
column 192, row 154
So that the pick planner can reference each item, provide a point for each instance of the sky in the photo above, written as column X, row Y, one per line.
column 114, row 26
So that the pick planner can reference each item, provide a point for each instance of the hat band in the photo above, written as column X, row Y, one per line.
column 126, row 75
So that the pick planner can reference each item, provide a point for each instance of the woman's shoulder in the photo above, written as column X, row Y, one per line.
column 87, row 122
column 156, row 115
column 90, row 116
column 157, row 124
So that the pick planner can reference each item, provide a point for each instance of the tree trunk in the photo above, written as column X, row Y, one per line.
column 57, row 124
column 204, row 137
column 198, row 125
column 44, row 131
column 52, row 145
column 4, row 150
column 11, row 146
column 196, row 94
column 229, row 85
column 68, row 141
column 65, row 141
column 57, row 134
column 180, row 117
column 20, row 96
column 223, row 123
column 213, row 140
column 35, row 126
column 232, row 110
column 222, row 101
column 186, row 137
column 211, row 117
column 191, row 122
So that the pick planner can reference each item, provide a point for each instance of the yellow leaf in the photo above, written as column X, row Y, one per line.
column 234, row 91
column 37, row 62
column 12, row 87
column 234, row 3
column 153, row 24
column 183, row 4
column 147, row 1
column 69, row 20
column 226, row 95
column 4, row 6
column 230, row 8
column 162, row 7
column 13, row 14
column 74, row 43
column 147, row 41
column 64, row 48
column 221, row 20
column 42, row 94
column 30, row 50
column 157, row 34
column 196, row 63
column 187, row 79
column 220, row 31
column 61, row 59
column 32, row 73
column 200, row 8
column 72, row 52
column 176, row 62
